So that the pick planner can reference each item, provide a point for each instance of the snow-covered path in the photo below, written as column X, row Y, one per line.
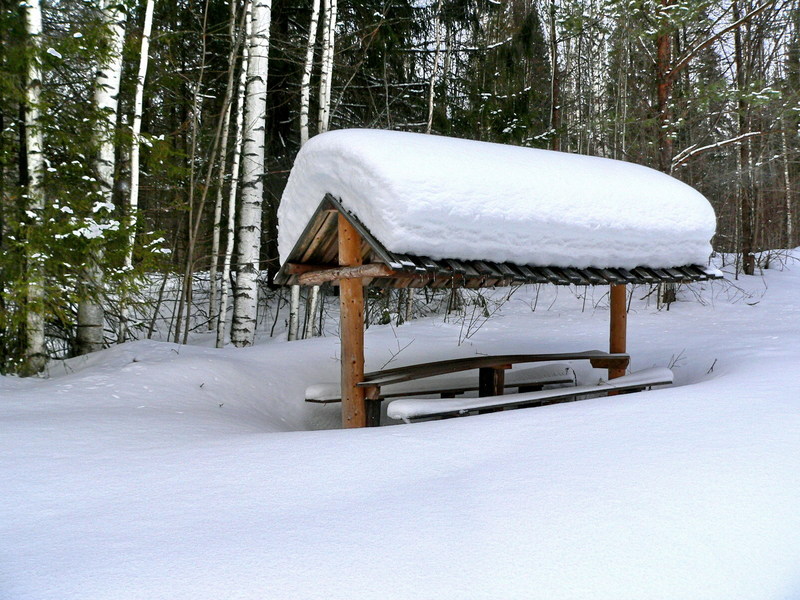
column 157, row 471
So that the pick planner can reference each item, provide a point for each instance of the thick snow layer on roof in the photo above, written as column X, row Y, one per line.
column 449, row 198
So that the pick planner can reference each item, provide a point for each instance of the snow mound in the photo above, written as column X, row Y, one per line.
column 450, row 198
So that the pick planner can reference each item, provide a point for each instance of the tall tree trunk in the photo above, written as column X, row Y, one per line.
column 294, row 313
column 308, row 66
column 133, row 197
column 745, row 186
column 213, row 309
column 237, row 153
column 326, row 79
column 664, row 83
column 437, row 27
column 787, row 187
column 245, row 307
column 35, row 353
column 305, row 100
column 555, row 83
column 325, row 86
column 91, row 313
column 194, row 211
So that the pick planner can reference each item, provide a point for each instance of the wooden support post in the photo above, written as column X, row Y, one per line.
column 351, row 328
column 619, row 326
column 491, row 380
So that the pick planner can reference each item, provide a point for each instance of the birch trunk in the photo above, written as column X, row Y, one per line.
column 237, row 154
column 91, row 314
column 35, row 354
column 294, row 313
column 328, row 42
column 217, row 228
column 305, row 100
column 787, row 185
column 133, row 198
column 432, row 81
column 305, row 85
column 324, row 118
column 213, row 308
column 746, row 198
column 245, row 303
column 555, row 83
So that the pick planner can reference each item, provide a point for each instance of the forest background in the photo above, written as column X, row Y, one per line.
column 144, row 145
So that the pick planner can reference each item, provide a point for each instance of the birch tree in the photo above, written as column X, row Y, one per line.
column 245, row 304
column 305, row 101
column 35, row 355
column 237, row 153
column 213, row 309
column 329, row 41
column 136, row 129
column 91, row 314
column 308, row 66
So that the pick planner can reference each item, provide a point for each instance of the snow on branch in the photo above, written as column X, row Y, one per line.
column 693, row 150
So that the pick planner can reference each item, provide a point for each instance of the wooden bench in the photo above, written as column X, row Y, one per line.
column 414, row 409
column 450, row 385
column 491, row 373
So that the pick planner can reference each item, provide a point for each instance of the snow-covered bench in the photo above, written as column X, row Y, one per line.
column 449, row 385
column 413, row 409
column 491, row 374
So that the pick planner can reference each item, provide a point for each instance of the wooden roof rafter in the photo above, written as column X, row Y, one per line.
column 313, row 261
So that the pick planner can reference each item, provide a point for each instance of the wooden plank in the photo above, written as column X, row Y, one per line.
column 450, row 384
column 490, row 277
column 299, row 269
column 612, row 277
column 517, row 275
column 676, row 275
column 326, row 231
column 538, row 276
column 322, row 276
column 645, row 274
column 698, row 274
column 627, row 275
column 363, row 232
column 573, row 276
column 554, row 277
column 593, row 277
column 412, row 372
column 351, row 326
column 661, row 274
column 415, row 409
column 611, row 363
column 618, row 326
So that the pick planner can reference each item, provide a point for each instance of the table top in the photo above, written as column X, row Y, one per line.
column 419, row 371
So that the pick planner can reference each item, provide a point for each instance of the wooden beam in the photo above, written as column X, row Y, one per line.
column 300, row 268
column 318, row 277
column 619, row 326
column 351, row 327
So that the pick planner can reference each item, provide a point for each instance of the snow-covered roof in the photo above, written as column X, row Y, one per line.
column 443, row 197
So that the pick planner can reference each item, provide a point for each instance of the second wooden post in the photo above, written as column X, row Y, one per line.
column 351, row 328
column 619, row 325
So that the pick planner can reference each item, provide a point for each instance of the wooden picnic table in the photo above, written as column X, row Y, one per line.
column 414, row 409
column 491, row 372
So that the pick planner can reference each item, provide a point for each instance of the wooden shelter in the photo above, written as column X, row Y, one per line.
column 336, row 246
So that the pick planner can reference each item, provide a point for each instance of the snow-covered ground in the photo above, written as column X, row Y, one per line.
column 152, row 470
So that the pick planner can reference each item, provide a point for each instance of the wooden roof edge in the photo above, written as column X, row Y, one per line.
column 288, row 273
